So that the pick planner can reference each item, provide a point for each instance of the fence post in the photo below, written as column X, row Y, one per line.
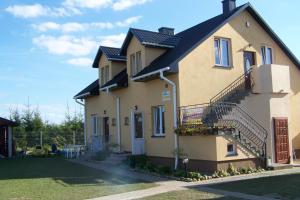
column 74, row 141
column 41, row 138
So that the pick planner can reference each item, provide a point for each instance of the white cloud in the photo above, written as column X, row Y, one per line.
column 66, row 45
column 87, row 3
column 81, row 62
column 75, row 27
column 36, row 10
column 128, row 21
column 113, row 40
column 125, row 4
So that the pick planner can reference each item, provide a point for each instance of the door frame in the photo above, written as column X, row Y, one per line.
column 254, row 58
column 105, row 130
column 132, row 131
column 275, row 139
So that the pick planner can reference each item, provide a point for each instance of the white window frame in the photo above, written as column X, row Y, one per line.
column 264, row 54
column 136, row 63
column 220, row 42
column 102, row 76
column 106, row 75
column 234, row 151
column 95, row 125
column 162, row 126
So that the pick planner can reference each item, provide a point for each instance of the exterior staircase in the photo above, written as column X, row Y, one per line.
column 225, row 115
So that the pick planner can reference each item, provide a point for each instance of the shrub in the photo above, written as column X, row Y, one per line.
column 232, row 171
column 101, row 155
column 179, row 173
column 137, row 161
column 194, row 175
column 164, row 170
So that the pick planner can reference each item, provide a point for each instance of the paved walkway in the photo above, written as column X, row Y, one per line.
column 166, row 185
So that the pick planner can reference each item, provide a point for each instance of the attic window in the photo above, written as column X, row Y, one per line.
column 136, row 63
column 222, row 54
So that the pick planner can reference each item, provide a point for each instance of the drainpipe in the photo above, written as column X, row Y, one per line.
column 85, row 136
column 174, row 115
column 118, row 113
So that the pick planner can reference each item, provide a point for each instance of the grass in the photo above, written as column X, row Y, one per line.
column 190, row 194
column 281, row 187
column 55, row 178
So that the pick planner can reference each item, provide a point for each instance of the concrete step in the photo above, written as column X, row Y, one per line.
column 277, row 166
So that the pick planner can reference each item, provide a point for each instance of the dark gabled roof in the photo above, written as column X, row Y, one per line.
column 120, row 80
column 150, row 38
column 111, row 53
column 91, row 90
column 6, row 122
column 194, row 36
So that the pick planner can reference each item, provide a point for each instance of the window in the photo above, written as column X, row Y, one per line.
column 113, row 121
column 136, row 63
column 126, row 121
column 104, row 75
column 231, row 149
column 267, row 55
column 222, row 54
column 95, row 124
column 132, row 64
column 159, row 121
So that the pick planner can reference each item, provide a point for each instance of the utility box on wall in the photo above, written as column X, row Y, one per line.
column 271, row 79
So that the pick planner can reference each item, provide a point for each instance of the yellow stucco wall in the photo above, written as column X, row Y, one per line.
column 198, row 81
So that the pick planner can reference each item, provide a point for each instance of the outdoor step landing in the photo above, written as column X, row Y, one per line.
column 277, row 166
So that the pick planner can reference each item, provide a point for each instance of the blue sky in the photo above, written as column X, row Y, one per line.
column 46, row 47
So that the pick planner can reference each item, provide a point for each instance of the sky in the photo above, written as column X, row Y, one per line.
column 47, row 47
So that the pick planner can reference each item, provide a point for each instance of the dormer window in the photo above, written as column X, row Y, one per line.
column 135, row 63
column 104, row 75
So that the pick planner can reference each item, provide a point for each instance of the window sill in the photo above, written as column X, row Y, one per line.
column 232, row 154
column 158, row 136
column 223, row 67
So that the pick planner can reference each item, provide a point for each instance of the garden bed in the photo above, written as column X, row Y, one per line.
column 142, row 164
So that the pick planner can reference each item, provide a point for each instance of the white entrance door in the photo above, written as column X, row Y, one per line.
column 137, row 133
column 96, row 133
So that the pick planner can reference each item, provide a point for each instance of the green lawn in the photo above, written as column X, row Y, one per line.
column 55, row 178
column 188, row 194
column 281, row 187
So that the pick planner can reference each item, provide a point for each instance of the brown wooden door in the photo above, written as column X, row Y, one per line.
column 281, row 140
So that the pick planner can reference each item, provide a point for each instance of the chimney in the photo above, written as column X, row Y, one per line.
column 166, row 30
column 228, row 6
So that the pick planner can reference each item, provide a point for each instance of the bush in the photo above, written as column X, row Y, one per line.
column 139, row 161
column 179, row 173
column 232, row 171
column 164, row 170
column 101, row 155
column 194, row 175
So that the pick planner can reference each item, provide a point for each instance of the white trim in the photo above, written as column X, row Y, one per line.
column 220, row 46
column 272, row 54
column 158, row 45
column 108, row 87
column 151, row 73
column 82, row 95
column 160, row 110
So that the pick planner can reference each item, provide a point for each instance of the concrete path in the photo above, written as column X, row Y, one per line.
column 166, row 185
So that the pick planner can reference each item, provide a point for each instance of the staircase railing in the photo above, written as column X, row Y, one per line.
column 243, row 82
column 230, row 114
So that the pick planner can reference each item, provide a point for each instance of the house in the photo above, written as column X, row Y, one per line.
column 6, row 138
column 223, row 91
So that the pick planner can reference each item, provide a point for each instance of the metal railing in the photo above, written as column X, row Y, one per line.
column 242, row 83
column 224, row 116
